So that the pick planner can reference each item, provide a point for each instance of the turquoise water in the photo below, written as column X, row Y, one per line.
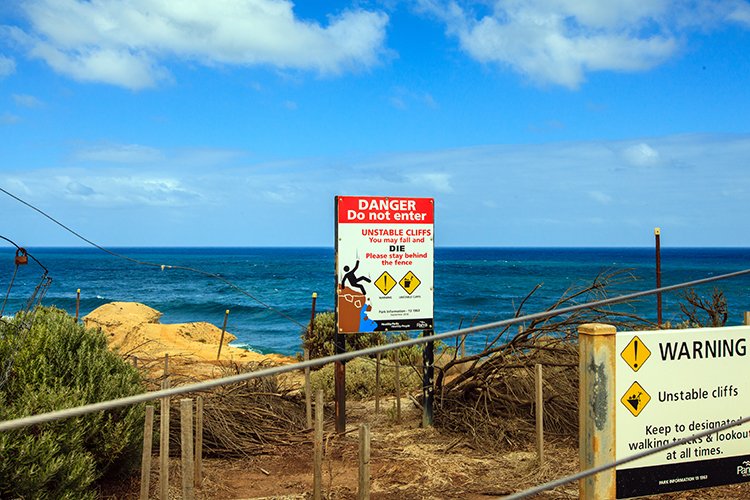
column 486, row 283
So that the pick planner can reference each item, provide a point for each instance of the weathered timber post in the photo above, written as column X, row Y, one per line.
column 199, row 441
column 186, row 448
column 148, row 436
column 318, row 448
column 308, row 395
column 539, row 413
column 596, row 408
column 164, row 444
column 363, row 491
column 377, row 383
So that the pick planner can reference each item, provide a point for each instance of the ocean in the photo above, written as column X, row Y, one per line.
column 478, row 285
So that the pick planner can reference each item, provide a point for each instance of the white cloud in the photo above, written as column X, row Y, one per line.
column 515, row 195
column 9, row 119
column 560, row 41
column 600, row 197
column 402, row 97
column 7, row 66
column 129, row 42
column 641, row 155
column 440, row 182
column 27, row 101
column 120, row 153
column 76, row 188
column 118, row 190
column 740, row 13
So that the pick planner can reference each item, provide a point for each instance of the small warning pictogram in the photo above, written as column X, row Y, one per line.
column 409, row 282
column 385, row 283
column 635, row 354
column 635, row 399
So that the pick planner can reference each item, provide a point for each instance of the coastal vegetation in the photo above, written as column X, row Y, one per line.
column 48, row 361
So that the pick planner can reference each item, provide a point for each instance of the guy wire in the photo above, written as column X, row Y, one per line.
column 154, row 264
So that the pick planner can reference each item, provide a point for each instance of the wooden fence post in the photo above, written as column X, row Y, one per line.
column 199, row 442
column 318, row 448
column 539, row 410
column 186, row 447
column 308, row 392
column 164, row 444
column 377, row 383
column 596, row 408
column 363, row 492
column 148, row 436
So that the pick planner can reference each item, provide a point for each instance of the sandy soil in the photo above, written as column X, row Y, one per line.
column 407, row 463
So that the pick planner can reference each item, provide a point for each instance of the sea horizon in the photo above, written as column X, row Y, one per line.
column 471, row 284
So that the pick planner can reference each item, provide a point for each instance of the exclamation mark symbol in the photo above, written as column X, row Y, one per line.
column 635, row 353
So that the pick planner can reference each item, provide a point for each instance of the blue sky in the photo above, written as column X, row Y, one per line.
column 236, row 122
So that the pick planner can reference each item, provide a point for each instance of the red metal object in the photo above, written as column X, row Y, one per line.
column 21, row 257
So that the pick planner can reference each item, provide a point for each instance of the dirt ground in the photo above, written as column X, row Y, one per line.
column 407, row 461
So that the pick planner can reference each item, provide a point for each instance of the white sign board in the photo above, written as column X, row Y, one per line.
column 672, row 384
column 384, row 263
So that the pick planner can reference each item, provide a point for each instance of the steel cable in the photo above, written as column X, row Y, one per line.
column 314, row 363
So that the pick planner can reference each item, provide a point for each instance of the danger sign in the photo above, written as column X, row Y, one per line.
column 384, row 263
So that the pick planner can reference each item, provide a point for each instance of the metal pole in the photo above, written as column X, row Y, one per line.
column 340, row 386
column 78, row 302
column 308, row 394
column 428, row 379
column 657, row 236
column 312, row 314
column 223, row 329
column 339, row 341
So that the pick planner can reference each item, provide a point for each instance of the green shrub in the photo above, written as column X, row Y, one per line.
column 360, row 379
column 58, row 364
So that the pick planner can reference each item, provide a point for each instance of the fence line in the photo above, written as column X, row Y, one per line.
column 595, row 470
column 314, row 363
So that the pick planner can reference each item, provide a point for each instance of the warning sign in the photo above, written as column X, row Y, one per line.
column 409, row 282
column 635, row 399
column 382, row 242
column 688, row 381
column 635, row 354
column 385, row 283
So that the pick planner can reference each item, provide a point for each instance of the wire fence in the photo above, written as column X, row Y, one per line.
column 314, row 363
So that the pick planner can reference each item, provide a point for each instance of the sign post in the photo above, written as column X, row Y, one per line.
column 384, row 270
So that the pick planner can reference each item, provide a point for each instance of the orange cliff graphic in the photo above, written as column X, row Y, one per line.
column 352, row 311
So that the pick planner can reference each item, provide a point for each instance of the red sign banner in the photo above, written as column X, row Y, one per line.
column 385, row 210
